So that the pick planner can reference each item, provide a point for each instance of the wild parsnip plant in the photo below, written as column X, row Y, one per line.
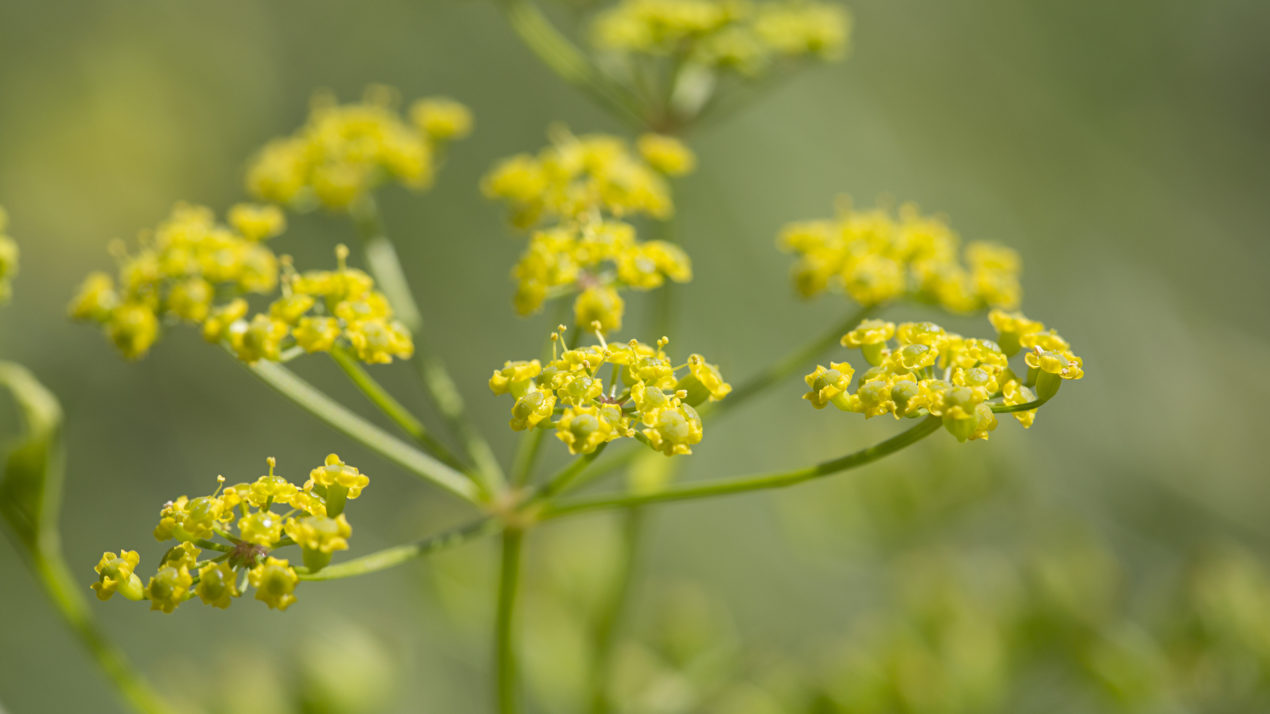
column 666, row 67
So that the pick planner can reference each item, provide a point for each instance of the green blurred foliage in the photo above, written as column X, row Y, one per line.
column 1114, row 558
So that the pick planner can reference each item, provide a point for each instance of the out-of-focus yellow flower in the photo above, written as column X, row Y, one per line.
column 8, row 258
column 441, row 118
column 667, row 154
column 876, row 256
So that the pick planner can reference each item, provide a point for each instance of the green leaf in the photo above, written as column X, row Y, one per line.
column 31, row 485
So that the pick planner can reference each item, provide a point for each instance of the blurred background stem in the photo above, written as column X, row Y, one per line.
column 508, row 692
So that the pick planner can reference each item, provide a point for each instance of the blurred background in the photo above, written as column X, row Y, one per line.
column 1113, row 558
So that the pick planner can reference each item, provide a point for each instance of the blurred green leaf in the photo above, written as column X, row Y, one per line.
column 31, row 487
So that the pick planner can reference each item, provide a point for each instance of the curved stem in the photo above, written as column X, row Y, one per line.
column 744, row 484
column 504, row 634
column 1011, row 408
column 385, row 266
column 392, row 557
column 793, row 362
column 604, row 637
column 63, row 590
column 392, row 408
column 339, row 416
column 567, row 61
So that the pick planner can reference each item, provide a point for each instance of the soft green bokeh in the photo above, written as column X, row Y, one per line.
column 1120, row 147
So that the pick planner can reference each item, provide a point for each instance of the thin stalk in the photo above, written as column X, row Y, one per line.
column 504, row 627
column 745, row 484
column 566, row 476
column 63, row 589
column 385, row 266
column 526, row 456
column 793, row 362
column 392, row 557
column 392, row 408
column 568, row 62
column 612, row 610
column 337, row 415
column 1011, row 408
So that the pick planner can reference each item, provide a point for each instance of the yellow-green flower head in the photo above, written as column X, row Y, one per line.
column 335, row 472
column 600, row 306
column 291, row 308
column 514, row 377
column 190, row 519
column 133, row 328
column 1015, row 393
column 259, row 339
column 344, row 152
column 317, row 334
column 441, row 118
column 217, row 585
column 641, row 385
column 275, row 581
column 878, row 255
column 703, row 382
column 746, row 37
column 672, row 430
column 117, row 575
column 169, row 588
column 597, row 258
column 179, row 272
column 667, row 154
column 964, row 381
column 262, row 528
column 256, row 222
column 578, row 177
column 325, row 535
column 1010, row 327
column 827, row 383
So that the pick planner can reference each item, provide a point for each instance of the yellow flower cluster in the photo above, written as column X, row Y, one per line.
column 595, row 260
column 874, row 256
column 8, row 258
column 314, row 521
column 317, row 310
column 195, row 270
column 931, row 371
column 577, row 178
column 641, row 397
column 739, row 35
column 343, row 152
column 582, row 186
column 179, row 272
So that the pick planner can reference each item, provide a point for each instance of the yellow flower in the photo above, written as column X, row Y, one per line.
column 275, row 581
column 1015, row 393
column 599, row 306
column 335, row 472
column 666, row 154
column 326, row 535
column 117, row 576
column 218, row 323
column 703, row 381
column 133, row 328
column 827, row 383
column 531, row 408
column 259, row 339
column 317, row 334
column 263, row 528
column 672, row 430
column 514, row 377
column 441, row 118
column 169, row 588
column 96, row 298
column 584, row 428
column 256, row 222
column 377, row 341
column 217, row 585
column 1010, row 327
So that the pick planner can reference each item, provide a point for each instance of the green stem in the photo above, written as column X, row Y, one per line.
column 745, row 484
column 392, row 408
column 63, row 590
column 385, row 266
column 339, row 416
column 526, row 456
column 613, row 607
column 1011, row 408
column 566, row 476
column 566, row 60
column 392, row 557
column 504, row 635
column 799, row 359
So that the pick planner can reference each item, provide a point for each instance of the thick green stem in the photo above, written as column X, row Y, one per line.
column 504, row 626
column 392, row 557
column 385, row 266
column 568, row 62
column 392, row 408
column 612, row 609
column 339, row 416
column 745, row 484
column 63, row 590
column 792, row 363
